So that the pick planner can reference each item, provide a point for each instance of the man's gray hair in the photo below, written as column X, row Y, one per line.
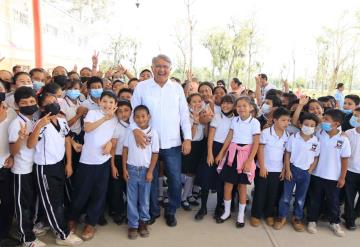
column 161, row 57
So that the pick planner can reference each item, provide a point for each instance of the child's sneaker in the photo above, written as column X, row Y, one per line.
column 36, row 243
column 132, row 233
column 255, row 222
column 270, row 221
column 71, row 240
column 311, row 228
column 279, row 223
column 39, row 229
column 297, row 224
column 337, row 230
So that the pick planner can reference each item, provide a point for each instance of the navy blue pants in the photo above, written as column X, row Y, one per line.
column 6, row 202
column 89, row 192
column 117, row 190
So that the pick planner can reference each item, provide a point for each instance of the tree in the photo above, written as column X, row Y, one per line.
column 90, row 10
column 191, row 24
column 180, row 37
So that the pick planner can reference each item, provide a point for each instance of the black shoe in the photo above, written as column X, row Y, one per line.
column 350, row 225
column 200, row 214
column 153, row 220
column 102, row 221
column 239, row 225
column 220, row 221
column 9, row 242
column 186, row 206
column 119, row 219
column 170, row 220
column 193, row 201
column 219, row 210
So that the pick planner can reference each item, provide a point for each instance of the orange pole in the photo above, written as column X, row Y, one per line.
column 37, row 33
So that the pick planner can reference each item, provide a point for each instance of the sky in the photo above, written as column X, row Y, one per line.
column 285, row 27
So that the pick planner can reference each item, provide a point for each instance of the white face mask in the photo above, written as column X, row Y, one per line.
column 265, row 108
column 307, row 130
column 28, row 85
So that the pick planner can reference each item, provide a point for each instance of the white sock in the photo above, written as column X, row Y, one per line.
column 161, row 187
column 227, row 209
column 240, row 218
column 189, row 182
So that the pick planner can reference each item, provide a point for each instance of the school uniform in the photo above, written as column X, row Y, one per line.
column 303, row 154
column 90, row 104
column 118, row 186
column 24, row 182
column 50, row 173
column 92, row 176
column 326, row 174
column 267, row 189
column 352, row 185
column 10, row 101
column 346, row 123
column 138, row 189
column 6, row 178
column 243, row 133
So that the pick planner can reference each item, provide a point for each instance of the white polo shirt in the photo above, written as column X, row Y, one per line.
column 274, row 148
column 69, row 109
column 332, row 150
column 354, row 160
column 10, row 101
column 138, row 156
column 121, row 132
column 199, row 134
column 94, row 141
column 50, row 148
column 4, row 136
column 303, row 152
column 244, row 130
column 90, row 104
column 217, row 109
column 222, row 124
column 24, row 159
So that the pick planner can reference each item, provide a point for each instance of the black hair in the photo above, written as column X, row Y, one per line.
column 72, row 82
column 244, row 97
column 50, row 88
column 35, row 70
column 125, row 90
column 323, row 99
column 281, row 111
column 16, row 76
column 85, row 68
column 141, row 108
column 42, row 98
column 290, row 96
column 73, row 72
column 145, row 70
column 307, row 106
column 276, row 102
column 357, row 109
column 308, row 116
column 133, row 79
column 108, row 94
column 339, row 85
column 294, row 102
column 116, row 81
column 336, row 115
column 66, row 72
column 175, row 79
column 123, row 102
column 272, row 91
column 15, row 67
column 206, row 83
column 227, row 98
column 354, row 98
column 237, row 81
column 24, row 93
column 188, row 99
column 94, row 79
column 221, row 87
column 222, row 82
column 263, row 76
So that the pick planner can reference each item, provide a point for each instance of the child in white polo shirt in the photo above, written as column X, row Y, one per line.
column 138, row 166
column 352, row 184
column 329, row 175
column 24, row 186
column 301, row 157
column 270, row 168
column 91, row 178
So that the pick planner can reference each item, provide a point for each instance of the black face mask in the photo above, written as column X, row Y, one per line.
column 84, row 79
column 2, row 96
column 227, row 114
column 54, row 108
column 6, row 84
column 28, row 110
column 61, row 80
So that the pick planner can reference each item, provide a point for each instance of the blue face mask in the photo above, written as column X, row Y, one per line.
column 96, row 93
column 347, row 112
column 38, row 85
column 326, row 126
column 73, row 93
column 354, row 122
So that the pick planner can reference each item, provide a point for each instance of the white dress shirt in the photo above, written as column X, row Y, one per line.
column 168, row 109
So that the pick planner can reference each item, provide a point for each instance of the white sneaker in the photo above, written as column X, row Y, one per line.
column 71, row 240
column 36, row 243
column 337, row 230
column 39, row 229
column 311, row 228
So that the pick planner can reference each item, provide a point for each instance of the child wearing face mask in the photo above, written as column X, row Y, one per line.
column 21, row 79
column 301, row 157
column 95, row 89
column 270, row 102
column 350, row 103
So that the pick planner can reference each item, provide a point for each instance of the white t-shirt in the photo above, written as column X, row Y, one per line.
column 331, row 152
column 244, row 130
column 94, row 141
column 222, row 125
column 50, row 148
column 24, row 159
column 138, row 156
column 354, row 160
column 217, row 109
column 274, row 148
column 266, row 89
column 303, row 152
column 69, row 109
column 90, row 104
column 4, row 136
column 121, row 132
column 200, row 129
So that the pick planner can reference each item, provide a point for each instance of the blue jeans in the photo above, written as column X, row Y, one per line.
column 172, row 163
column 138, row 192
column 300, row 178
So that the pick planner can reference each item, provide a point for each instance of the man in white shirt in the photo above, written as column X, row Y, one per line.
column 169, row 112
column 262, row 87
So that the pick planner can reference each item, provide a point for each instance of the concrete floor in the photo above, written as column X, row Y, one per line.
column 207, row 233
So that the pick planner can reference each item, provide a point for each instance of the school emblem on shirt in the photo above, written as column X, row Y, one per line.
column 313, row 147
column 339, row 144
